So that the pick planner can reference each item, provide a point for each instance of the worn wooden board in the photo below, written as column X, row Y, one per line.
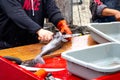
column 30, row 51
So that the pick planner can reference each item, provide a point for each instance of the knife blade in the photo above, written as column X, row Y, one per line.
column 71, row 35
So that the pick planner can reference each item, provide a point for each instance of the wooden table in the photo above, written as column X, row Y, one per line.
column 30, row 51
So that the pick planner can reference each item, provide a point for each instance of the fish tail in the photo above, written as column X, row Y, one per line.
column 39, row 59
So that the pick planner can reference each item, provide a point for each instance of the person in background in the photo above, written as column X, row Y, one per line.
column 21, row 22
column 105, row 10
column 80, row 2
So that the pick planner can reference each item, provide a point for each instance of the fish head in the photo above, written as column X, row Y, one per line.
column 29, row 63
column 59, row 37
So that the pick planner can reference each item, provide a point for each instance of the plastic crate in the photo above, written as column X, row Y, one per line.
column 94, row 61
column 105, row 32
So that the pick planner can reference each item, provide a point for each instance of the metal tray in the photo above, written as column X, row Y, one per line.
column 94, row 61
column 105, row 32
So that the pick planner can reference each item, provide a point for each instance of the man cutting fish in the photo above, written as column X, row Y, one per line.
column 21, row 22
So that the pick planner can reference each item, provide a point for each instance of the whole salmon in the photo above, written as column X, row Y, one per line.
column 53, row 45
column 56, row 43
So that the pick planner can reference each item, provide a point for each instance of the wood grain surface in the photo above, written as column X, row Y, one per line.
column 30, row 51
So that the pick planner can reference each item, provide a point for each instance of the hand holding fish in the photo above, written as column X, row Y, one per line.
column 44, row 35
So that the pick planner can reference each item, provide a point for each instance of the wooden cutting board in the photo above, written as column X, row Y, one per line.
column 30, row 51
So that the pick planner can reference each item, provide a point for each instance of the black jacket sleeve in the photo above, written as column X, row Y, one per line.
column 13, row 9
column 53, row 12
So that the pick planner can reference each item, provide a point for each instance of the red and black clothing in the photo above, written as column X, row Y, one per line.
column 20, row 19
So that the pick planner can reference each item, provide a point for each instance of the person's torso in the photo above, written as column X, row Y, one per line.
column 35, row 10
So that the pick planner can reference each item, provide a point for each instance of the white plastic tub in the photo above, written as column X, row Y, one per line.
column 94, row 61
column 105, row 32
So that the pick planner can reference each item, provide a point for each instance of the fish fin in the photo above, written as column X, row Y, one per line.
column 40, row 60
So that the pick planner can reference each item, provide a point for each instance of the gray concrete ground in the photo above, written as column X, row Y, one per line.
column 81, row 13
